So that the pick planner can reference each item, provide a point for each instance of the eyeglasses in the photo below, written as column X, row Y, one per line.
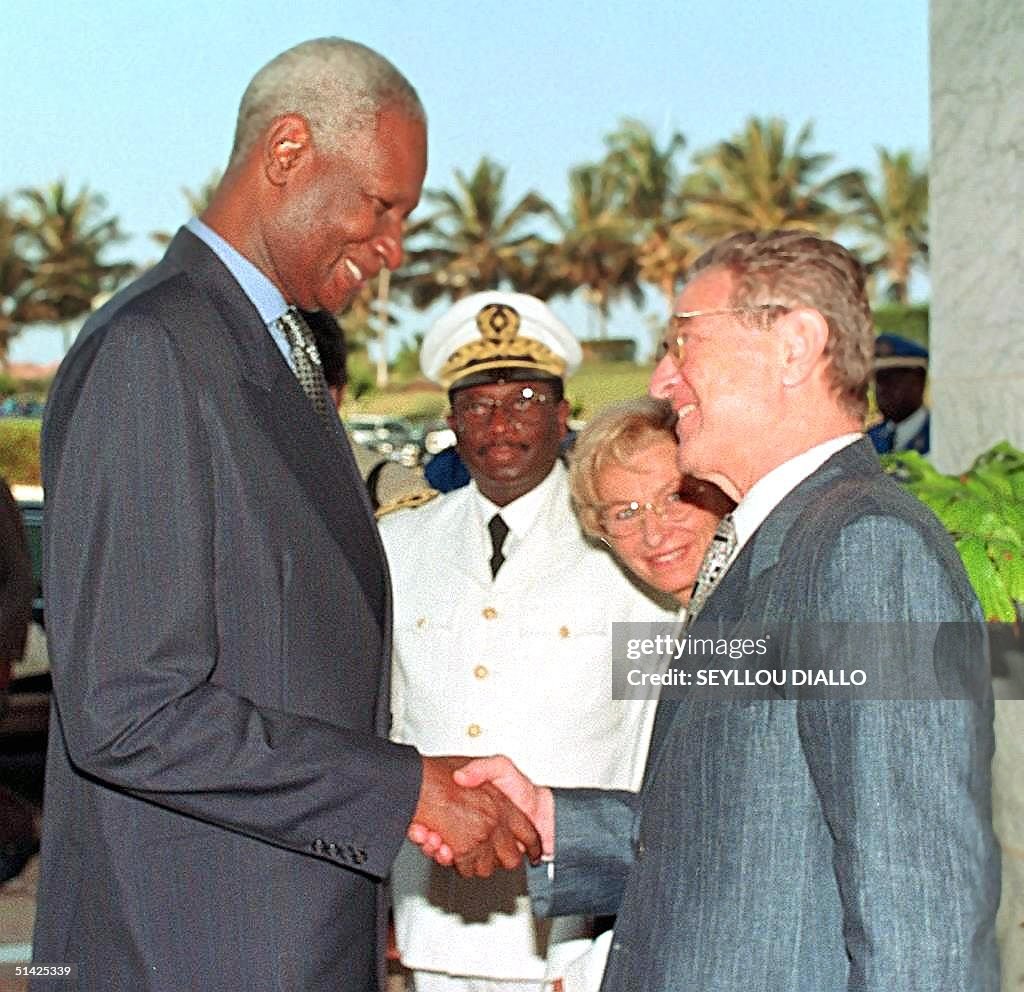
column 675, row 338
column 622, row 519
column 525, row 407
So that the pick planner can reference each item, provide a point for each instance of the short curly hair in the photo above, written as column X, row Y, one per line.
column 338, row 85
column 614, row 437
column 800, row 269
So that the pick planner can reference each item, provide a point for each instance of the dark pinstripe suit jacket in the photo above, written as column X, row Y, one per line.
column 807, row 846
column 219, row 804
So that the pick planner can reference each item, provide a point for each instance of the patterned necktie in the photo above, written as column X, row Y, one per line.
column 306, row 362
column 498, row 530
column 716, row 559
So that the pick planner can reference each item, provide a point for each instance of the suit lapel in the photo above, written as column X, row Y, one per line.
column 320, row 459
column 731, row 599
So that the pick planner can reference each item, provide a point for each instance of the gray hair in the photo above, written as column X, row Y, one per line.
column 801, row 269
column 338, row 86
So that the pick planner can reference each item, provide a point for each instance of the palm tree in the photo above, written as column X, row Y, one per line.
column 650, row 187
column 647, row 175
column 597, row 251
column 197, row 199
column 66, row 239
column 15, row 281
column 471, row 241
column 893, row 214
column 760, row 180
column 666, row 255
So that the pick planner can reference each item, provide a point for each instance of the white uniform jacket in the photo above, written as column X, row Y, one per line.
column 518, row 665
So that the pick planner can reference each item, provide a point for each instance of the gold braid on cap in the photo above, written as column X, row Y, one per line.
column 500, row 347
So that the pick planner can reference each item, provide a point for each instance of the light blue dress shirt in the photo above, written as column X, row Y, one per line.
column 262, row 293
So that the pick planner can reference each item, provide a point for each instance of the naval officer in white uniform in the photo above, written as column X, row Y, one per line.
column 502, row 632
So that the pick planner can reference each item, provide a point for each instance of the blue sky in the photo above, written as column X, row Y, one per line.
column 138, row 98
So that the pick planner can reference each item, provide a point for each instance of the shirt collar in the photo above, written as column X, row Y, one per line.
column 521, row 513
column 906, row 430
column 771, row 489
column 262, row 293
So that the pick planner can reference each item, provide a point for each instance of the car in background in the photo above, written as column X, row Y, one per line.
column 388, row 436
column 32, row 520
column 437, row 436
column 22, row 406
column 32, row 674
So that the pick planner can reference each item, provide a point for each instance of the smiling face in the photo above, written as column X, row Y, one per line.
column 665, row 549
column 508, row 440
column 331, row 220
column 724, row 385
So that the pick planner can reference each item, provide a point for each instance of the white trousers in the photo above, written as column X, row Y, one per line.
column 439, row 981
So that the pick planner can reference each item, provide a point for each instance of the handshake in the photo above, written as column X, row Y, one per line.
column 479, row 813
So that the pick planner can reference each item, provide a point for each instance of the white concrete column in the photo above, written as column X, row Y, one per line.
column 977, row 319
column 977, row 228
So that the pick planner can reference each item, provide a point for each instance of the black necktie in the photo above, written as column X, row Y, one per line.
column 498, row 530
column 306, row 362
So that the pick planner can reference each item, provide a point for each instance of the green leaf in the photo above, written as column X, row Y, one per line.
column 995, row 600
column 1009, row 562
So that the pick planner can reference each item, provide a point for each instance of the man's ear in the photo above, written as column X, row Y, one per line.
column 804, row 336
column 287, row 143
column 563, row 418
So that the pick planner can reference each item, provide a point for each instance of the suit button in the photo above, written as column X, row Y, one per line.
column 332, row 850
column 481, row 671
column 318, row 846
column 474, row 730
column 489, row 612
column 641, row 849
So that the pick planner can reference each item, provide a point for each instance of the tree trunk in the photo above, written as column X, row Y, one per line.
column 383, row 289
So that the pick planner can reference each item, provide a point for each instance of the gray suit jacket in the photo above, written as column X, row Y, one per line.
column 219, row 803
column 798, row 845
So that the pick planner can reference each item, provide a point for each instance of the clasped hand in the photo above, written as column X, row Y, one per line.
column 477, row 814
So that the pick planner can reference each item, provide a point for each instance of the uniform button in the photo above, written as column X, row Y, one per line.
column 641, row 850
column 421, row 622
column 474, row 730
column 563, row 631
column 489, row 612
column 481, row 671
column 318, row 846
column 332, row 850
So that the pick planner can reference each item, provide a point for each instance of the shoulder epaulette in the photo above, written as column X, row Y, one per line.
column 407, row 502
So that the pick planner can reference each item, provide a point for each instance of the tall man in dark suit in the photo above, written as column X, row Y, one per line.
column 220, row 802
column 796, row 844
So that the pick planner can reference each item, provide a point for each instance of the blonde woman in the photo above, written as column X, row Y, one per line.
column 629, row 493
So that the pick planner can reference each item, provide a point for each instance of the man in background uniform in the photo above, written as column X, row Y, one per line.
column 386, row 481
column 901, row 369
column 502, row 642
column 18, row 839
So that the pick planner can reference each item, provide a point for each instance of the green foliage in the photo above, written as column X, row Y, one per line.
column 407, row 362
column 609, row 350
column 362, row 375
column 423, row 404
column 594, row 386
column 598, row 384
column 983, row 510
column 19, row 451
column 909, row 320
column 890, row 210
column 765, row 178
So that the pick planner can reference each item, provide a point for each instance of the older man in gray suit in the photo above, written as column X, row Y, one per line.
column 221, row 803
column 794, row 845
